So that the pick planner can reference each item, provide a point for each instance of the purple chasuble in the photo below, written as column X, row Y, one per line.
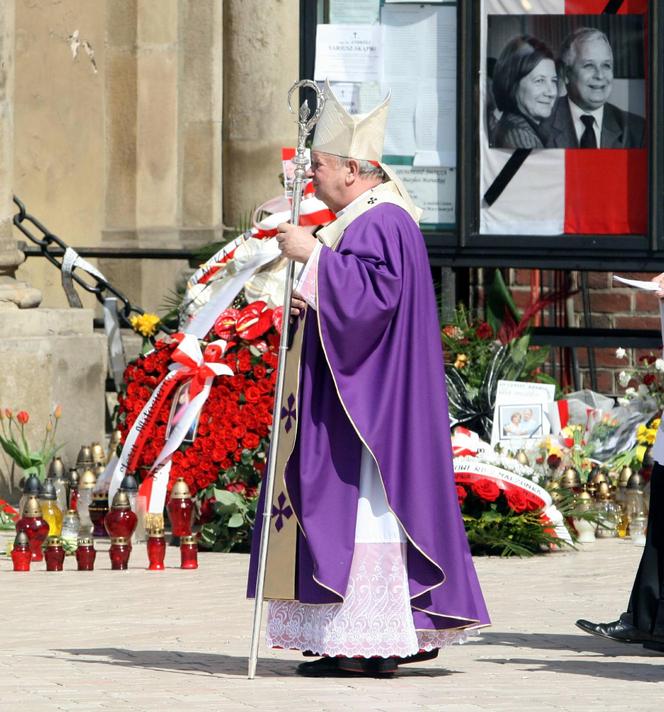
column 377, row 377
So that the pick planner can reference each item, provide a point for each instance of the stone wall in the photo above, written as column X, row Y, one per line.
column 123, row 109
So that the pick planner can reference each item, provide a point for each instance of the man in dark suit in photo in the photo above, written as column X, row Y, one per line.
column 584, row 118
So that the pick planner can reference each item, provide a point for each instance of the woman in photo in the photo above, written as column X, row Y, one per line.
column 525, row 88
column 513, row 429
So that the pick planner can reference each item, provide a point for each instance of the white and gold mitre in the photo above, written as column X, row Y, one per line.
column 359, row 136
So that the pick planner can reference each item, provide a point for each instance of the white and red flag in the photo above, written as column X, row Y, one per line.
column 562, row 191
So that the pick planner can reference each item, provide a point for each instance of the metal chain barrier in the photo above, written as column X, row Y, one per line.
column 65, row 258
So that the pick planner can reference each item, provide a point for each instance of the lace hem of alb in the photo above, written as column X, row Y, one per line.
column 375, row 618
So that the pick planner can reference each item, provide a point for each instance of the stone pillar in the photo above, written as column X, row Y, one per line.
column 163, row 123
column 13, row 294
column 261, row 62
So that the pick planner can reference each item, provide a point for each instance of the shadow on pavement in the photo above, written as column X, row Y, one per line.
column 614, row 670
column 562, row 641
column 209, row 663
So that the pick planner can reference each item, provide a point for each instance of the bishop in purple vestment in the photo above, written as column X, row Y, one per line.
column 384, row 573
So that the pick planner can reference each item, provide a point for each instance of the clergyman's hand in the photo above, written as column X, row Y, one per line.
column 296, row 243
column 298, row 304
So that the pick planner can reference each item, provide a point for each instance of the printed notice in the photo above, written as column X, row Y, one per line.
column 433, row 190
column 348, row 53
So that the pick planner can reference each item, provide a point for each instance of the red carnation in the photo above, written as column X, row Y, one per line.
column 461, row 494
column 516, row 500
column 486, row 490
column 484, row 331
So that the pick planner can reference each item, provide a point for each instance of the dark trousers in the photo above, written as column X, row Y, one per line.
column 646, row 603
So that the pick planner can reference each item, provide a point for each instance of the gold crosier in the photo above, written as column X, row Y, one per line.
column 306, row 122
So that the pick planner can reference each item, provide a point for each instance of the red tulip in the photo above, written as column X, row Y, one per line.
column 22, row 417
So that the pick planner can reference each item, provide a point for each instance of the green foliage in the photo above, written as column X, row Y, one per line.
column 511, row 534
column 471, row 403
column 498, row 301
column 230, row 530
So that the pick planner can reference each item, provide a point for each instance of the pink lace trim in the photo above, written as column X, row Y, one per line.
column 375, row 618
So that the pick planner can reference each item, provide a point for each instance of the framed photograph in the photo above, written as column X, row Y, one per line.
column 180, row 402
column 531, row 192
column 563, row 122
column 521, row 421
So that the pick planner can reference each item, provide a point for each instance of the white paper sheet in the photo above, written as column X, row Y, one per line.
column 354, row 12
column 419, row 66
column 400, row 130
column 648, row 286
column 433, row 190
column 348, row 53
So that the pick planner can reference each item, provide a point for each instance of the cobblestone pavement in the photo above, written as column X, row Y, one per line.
column 176, row 640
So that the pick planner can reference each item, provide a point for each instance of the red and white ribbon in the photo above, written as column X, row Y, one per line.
column 191, row 366
column 466, row 442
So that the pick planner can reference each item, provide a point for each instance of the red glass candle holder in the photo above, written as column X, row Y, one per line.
column 21, row 553
column 36, row 529
column 181, row 514
column 120, row 520
column 55, row 554
column 86, row 554
column 156, row 550
column 180, row 508
column 98, row 511
column 188, row 552
column 119, row 553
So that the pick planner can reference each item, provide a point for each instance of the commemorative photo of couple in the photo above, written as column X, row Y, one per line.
column 565, row 82
column 520, row 421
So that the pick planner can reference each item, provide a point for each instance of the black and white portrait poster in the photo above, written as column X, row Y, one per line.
column 563, row 126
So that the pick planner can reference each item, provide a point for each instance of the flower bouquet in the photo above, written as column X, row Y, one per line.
column 224, row 459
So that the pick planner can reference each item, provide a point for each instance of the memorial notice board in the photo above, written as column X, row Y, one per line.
column 523, row 129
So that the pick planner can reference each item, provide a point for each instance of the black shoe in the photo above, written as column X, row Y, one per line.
column 348, row 667
column 419, row 657
column 323, row 667
column 617, row 630
column 382, row 667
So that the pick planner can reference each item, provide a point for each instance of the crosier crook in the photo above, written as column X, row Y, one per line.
column 305, row 124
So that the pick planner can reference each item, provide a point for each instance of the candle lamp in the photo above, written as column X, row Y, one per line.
column 115, row 441
column 55, row 554
column 72, row 487
column 86, row 554
column 130, row 486
column 31, row 488
column 84, row 459
column 97, row 453
column 156, row 549
column 188, row 552
column 71, row 527
column 181, row 508
column 119, row 553
column 34, row 526
column 86, row 485
column 21, row 553
column 49, row 508
column 120, row 520
column 98, row 510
